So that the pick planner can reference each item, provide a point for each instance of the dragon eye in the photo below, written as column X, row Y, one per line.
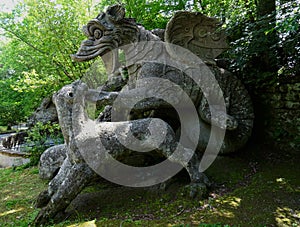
column 98, row 34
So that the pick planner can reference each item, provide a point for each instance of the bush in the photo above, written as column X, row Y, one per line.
column 288, row 29
column 266, row 49
column 41, row 137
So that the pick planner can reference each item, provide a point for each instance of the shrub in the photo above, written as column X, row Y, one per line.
column 41, row 137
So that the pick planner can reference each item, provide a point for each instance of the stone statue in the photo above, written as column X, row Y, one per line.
column 45, row 113
column 111, row 30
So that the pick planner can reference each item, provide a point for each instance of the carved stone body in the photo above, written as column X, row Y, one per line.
column 45, row 113
column 112, row 30
column 74, row 173
column 51, row 161
column 194, row 31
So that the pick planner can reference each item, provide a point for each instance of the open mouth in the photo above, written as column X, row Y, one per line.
column 106, row 50
column 88, row 51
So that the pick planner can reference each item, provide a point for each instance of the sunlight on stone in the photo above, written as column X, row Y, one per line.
column 285, row 216
column 11, row 212
column 84, row 224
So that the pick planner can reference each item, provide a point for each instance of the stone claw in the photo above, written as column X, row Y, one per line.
column 194, row 190
column 41, row 219
column 42, row 199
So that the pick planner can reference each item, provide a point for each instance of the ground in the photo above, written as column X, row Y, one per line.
column 256, row 187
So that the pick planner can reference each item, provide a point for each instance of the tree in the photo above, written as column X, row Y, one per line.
column 35, row 61
column 266, row 15
column 151, row 14
column 288, row 30
column 43, row 33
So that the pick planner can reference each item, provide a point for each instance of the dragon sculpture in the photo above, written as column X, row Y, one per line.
column 111, row 31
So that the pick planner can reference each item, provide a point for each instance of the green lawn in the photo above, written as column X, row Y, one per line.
column 253, row 190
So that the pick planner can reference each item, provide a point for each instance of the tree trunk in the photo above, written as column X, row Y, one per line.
column 265, row 7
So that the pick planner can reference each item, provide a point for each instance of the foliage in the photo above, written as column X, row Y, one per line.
column 41, row 34
column 254, row 52
column 266, row 48
column 35, row 56
column 288, row 29
column 45, row 33
column 151, row 14
column 3, row 129
column 41, row 137
column 230, row 12
column 264, row 43
column 11, row 109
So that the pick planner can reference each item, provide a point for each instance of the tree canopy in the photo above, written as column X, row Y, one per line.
column 41, row 34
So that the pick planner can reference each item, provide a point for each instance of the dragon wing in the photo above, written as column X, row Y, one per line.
column 196, row 32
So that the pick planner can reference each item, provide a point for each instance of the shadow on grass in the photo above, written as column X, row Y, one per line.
column 255, row 187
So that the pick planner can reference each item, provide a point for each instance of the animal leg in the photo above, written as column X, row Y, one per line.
column 199, row 181
column 73, row 182
column 45, row 196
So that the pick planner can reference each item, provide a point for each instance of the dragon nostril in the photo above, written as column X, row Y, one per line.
column 71, row 94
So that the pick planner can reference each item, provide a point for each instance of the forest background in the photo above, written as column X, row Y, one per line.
column 40, row 35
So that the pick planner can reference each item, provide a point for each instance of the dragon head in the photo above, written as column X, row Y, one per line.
column 108, row 31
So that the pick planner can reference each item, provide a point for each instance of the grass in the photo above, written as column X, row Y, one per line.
column 19, row 188
column 259, row 189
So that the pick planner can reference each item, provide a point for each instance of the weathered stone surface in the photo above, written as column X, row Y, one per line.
column 198, row 33
column 279, row 108
column 160, row 33
column 46, row 112
column 180, row 30
column 75, row 174
column 84, row 136
column 51, row 161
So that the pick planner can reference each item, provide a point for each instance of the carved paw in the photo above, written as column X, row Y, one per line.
column 42, row 199
column 194, row 190
column 41, row 219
